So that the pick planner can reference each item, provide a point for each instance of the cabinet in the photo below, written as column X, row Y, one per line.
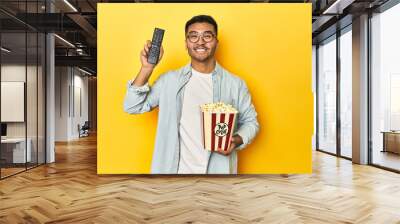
column 391, row 141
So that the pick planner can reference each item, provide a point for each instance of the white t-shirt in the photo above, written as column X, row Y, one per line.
column 193, row 156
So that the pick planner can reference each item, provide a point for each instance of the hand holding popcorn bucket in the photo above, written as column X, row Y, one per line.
column 218, row 123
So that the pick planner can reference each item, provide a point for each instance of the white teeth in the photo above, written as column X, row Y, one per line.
column 201, row 50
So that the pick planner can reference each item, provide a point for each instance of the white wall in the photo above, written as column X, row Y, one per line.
column 81, row 84
column 62, row 78
column 71, row 94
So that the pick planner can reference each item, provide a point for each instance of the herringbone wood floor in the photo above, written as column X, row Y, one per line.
column 69, row 191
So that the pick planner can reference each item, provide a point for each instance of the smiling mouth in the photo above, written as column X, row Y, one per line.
column 200, row 50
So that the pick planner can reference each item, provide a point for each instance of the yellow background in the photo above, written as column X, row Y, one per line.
column 267, row 45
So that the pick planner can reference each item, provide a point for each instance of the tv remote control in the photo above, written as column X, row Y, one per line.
column 154, row 52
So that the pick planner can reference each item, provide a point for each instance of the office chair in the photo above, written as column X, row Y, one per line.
column 84, row 130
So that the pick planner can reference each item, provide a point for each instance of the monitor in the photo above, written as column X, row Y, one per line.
column 3, row 129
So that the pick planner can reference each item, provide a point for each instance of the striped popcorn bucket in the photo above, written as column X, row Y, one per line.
column 217, row 129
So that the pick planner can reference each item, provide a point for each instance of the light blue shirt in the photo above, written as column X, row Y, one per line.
column 167, row 93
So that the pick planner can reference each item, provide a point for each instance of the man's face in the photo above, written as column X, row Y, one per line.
column 201, row 41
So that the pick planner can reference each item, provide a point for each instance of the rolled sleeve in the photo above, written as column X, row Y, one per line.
column 244, row 137
column 141, row 99
column 138, row 89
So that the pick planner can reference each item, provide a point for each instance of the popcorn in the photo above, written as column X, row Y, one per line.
column 218, row 107
column 218, row 123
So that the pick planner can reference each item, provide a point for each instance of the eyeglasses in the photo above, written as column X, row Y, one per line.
column 207, row 36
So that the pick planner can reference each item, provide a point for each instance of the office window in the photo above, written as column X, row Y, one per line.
column 327, row 95
column 385, row 88
column 346, row 93
column 314, row 89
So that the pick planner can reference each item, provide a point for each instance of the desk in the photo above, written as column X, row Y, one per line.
column 16, row 147
column 391, row 141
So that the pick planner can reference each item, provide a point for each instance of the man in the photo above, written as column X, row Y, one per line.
column 179, row 94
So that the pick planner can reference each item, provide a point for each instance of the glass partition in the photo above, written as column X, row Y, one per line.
column 327, row 95
column 385, row 89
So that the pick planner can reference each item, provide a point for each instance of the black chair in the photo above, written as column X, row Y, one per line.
column 84, row 130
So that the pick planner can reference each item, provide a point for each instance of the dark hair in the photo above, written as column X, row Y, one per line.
column 202, row 19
